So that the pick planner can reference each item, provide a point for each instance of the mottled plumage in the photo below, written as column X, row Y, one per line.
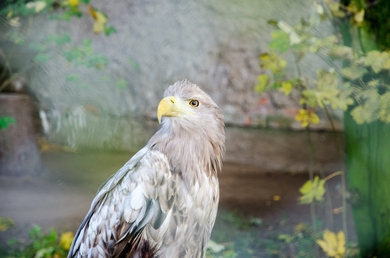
column 163, row 201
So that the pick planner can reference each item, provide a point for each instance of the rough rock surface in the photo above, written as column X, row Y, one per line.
column 215, row 44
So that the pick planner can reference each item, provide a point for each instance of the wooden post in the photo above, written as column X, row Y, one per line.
column 19, row 153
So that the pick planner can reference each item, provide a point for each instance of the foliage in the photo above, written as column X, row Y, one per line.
column 355, row 81
column 83, row 55
column 63, row 10
column 41, row 245
column 6, row 223
column 307, row 117
column 337, row 88
column 229, row 239
column 6, row 121
column 312, row 190
column 333, row 245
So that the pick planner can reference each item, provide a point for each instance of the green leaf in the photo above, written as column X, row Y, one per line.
column 312, row 190
column 377, row 60
column 322, row 43
column 5, row 121
column 37, row 47
column 334, row 7
column 309, row 97
column 361, row 115
column 342, row 100
column 286, row 238
column 35, row 232
column 17, row 39
column 367, row 41
column 59, row 39
column 326, row 79
column 373, row 83
column 273, row 23
column 359, row 16
column 121, row 83
column 280, row 41
column 73, row 77
column 109, row 30
column 41, row 58
column 353, row 72
column 262, row 83
column 83, row 55
column 341, row 52
column 293, row 37
column 134, row 64
column 368, row 110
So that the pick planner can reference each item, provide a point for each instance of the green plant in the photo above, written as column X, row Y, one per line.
column 6, row 121
column 20, row 14
column 40, row 245
column 336, row 88
column 356, row 81
column 6, row 223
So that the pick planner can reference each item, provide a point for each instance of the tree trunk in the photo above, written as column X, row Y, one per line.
column 368, row 163
column 19, row 154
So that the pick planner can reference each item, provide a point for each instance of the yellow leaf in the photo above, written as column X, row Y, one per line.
column 9, row 14
column 359, row 16
column 307, row 117
column 312, row 189
column 38, row 5
column 319, row 8
column 66, row 240
column 74, row 3
column 286, row 88
column 276, row 198
column 6, row 223
column 332, row 245
column 272, row 61
column 337, row 210
column 341, row 243
column 99, row 18
column 300, row 228
column 290, row 31
column 262, row 83
column 14, row 22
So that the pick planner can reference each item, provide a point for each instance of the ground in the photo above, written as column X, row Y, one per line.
column 258, row 214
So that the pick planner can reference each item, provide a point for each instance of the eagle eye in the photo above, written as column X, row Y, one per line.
column 194, row 103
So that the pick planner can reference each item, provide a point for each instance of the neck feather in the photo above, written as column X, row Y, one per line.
column 190, row 151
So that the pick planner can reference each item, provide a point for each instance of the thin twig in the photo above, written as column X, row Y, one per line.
column 343, row 177
column 311, row 175
column 333, row 175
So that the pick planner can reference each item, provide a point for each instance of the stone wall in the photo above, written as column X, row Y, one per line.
column 214, row 44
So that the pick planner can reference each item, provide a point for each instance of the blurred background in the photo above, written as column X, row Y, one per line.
column 80, row 81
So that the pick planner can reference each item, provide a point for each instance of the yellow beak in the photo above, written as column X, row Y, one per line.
column 168, row 107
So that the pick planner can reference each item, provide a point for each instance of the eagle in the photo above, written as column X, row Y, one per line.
column 163, row 202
